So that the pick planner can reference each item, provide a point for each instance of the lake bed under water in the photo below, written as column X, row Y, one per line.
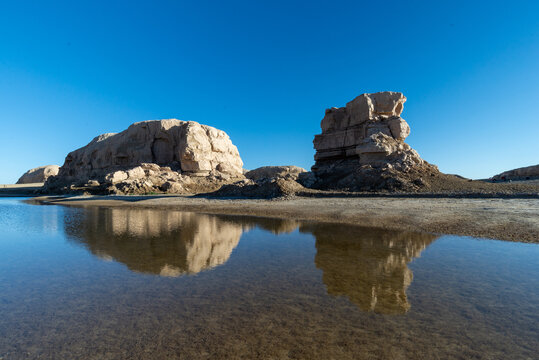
column 113, row 283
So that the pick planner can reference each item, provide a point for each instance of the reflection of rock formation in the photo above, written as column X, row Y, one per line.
column 369, row 266
column 168, row 243
column 273, row 225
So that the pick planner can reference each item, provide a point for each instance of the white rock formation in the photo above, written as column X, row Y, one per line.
column 39, row 174
column 151, row 149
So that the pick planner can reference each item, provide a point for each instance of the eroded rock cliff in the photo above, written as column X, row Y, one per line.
column 157, row 155
column 362, row 147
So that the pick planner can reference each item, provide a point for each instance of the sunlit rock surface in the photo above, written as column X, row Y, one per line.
column 157, row 155
column 39, row 174
column 362, row 147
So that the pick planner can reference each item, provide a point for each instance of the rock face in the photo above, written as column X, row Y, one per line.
column 39, row 174
column 362, row 146
column 525, row 173
column 152, row 156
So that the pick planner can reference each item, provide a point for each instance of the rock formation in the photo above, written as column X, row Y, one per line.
column 270, row 172
column 39, row 174
column 265, row 182
column 158, row 155
column 261, row 189
column 369, row 266
column 362, row 146
column 524, row 173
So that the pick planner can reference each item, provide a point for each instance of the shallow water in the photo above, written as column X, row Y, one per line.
column 113, row 283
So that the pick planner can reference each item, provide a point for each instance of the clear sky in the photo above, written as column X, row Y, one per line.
column 265, row 71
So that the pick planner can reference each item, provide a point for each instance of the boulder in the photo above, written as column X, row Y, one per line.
column 362, row 146
column 150, row 153
column 39, row 174
column 524, row 173
column 270, row 172
column 260, row 189
column 267, row 182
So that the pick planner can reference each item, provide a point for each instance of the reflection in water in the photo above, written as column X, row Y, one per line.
column 369, row 266
column 297, row 296
column 273, row 225
column 168, row 243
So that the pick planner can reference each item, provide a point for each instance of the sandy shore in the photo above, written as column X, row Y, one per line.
column 504, row 219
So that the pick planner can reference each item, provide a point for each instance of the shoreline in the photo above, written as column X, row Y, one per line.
column 15, row 190
column 511, row 219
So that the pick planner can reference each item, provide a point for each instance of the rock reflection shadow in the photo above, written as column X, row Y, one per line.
column 369, row 266
column 167, row 243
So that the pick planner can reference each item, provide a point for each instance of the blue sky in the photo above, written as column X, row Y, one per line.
column 265, row 71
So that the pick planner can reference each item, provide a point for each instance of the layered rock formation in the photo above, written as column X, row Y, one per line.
column 362, row 146
column 39, row 174
column 157, row 155
column 524, row 173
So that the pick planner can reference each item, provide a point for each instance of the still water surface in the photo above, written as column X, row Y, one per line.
column 117, row 283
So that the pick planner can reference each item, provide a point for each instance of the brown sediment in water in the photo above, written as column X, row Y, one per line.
column 514, row 219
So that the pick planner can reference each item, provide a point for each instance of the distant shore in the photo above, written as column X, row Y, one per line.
column 19, row 189
column 513, row 219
